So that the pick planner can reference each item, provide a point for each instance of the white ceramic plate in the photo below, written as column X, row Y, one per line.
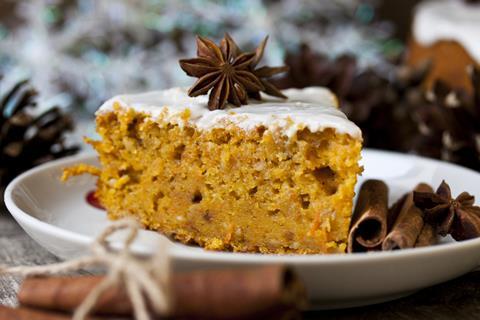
column 56, row 215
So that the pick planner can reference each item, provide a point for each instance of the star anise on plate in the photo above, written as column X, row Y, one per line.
column 458, row 217
column 228, row 73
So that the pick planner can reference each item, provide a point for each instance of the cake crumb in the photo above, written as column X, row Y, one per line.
column 80, row 169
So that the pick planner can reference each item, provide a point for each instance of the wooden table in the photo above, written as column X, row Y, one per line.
column 456, row 299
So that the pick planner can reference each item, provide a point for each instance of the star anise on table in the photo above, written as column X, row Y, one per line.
column 228, row 73
column 458, row 217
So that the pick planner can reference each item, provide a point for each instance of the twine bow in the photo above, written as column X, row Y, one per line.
column 144, row 279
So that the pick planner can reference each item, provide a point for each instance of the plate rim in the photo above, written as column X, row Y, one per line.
column 236, row 257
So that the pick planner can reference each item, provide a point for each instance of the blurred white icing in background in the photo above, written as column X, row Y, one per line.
column 449, row 20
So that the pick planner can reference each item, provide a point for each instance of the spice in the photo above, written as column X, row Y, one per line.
column 458, row 217
column 264, row 73
column 408, row 225
column 376, row 227
column 427, row 236
column 214, row 294
column 229, row 74
column 369, row 220
column 21, row 313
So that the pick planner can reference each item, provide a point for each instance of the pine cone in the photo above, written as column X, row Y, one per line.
column 27, row 140
column 448, row 120
column 307, row 68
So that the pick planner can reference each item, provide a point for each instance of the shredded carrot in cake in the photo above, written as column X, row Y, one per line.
column 79, row 170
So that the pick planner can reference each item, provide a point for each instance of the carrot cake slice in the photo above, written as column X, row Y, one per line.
column 270, row 176
column 446, row 34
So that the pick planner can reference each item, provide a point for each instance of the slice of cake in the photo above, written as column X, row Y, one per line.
column 271, row 176
column 274, row 176
column 446, row 32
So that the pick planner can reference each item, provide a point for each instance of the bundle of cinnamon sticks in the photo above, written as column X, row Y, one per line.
column 376, row 227
column 269, row 291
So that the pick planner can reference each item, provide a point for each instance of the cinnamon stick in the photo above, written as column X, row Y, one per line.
column 206, row 294
column 427, row 237
column 369, row 220
column 394, row 211
column 21, row 313
column 408, row 225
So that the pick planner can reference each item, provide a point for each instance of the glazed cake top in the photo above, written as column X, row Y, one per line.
column 448, row 20
column 314, row 108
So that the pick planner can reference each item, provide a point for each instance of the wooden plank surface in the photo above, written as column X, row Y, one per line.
column 456, row 299
column 17, row 248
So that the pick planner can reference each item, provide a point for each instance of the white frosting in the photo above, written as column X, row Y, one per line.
column 314, row 108
column 448, row 20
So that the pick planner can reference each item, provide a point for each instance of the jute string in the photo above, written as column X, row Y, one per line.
column 144, row 279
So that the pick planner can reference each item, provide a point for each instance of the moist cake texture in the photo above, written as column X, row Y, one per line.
column 272, row 176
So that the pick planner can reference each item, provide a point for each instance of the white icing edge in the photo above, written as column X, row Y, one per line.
column 314, row 108
column 448, row 20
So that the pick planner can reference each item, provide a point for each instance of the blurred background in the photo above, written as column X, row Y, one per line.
column 78, row 53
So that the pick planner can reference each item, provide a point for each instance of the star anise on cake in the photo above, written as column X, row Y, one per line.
column 229, row 74
column 458, row 217
column 265, row 72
